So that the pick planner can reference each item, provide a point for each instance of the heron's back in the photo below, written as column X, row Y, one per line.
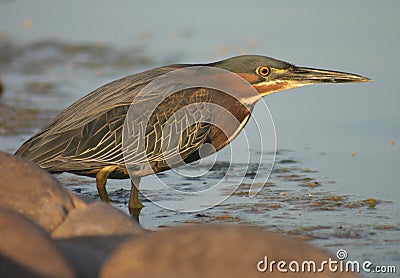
column 87, row 136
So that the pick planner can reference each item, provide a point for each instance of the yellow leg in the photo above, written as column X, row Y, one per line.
column 135, row 205
column 101, row 180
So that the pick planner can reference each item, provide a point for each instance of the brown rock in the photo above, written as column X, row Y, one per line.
column 97, row 219
column 103, row 244
column 27, row 251
column 210, row 251
column 99, row 227
column 78, row 201
column 85, row 261
column 29, row 190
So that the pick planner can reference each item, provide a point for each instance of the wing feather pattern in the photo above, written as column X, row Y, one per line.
column 88, row 135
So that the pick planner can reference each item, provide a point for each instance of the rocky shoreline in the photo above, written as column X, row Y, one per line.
column 47, row 231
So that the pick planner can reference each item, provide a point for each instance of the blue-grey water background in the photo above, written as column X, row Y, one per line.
column 346, row 137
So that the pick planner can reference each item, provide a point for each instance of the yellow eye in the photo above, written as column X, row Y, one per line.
column 263, row 70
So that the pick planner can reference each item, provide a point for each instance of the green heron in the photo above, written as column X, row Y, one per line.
column 86, row 138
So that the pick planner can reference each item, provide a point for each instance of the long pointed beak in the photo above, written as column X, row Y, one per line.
column 311, row 76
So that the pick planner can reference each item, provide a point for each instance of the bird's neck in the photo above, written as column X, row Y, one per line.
column 229, row 121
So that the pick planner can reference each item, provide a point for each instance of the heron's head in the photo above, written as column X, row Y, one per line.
column 268, row 75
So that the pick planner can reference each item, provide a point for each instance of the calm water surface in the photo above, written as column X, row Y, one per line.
column 336, row 179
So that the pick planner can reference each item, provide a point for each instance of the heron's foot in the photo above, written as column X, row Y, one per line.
column 135, row 212
column 135, row 205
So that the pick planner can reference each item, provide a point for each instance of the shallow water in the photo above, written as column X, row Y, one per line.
column 335, row 180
